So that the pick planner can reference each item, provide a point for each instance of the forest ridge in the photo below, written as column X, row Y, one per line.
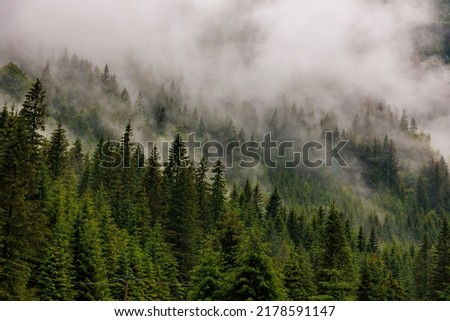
column 74, row 229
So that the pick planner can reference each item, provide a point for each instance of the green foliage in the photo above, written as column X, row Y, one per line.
column 372, row 286
column 299, row 277
column 254, row 278
column 34, row 110
column 207, row 276
column 101, row 224
column 337, row 273
column 13, row 81
column 22, row 222
column 91, row 281
column 57, row 153
column 440, row 271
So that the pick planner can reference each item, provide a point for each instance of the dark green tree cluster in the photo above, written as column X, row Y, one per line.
column 114, row 224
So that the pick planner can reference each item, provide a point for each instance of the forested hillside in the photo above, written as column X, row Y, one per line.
column 79, row 223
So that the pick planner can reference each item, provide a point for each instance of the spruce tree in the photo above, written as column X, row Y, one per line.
column 56, row 272
column 165, row 266
column 230, row 238
column 90, row 281
column 57, row 153
column 22, row 221
column 440, row 271
column 155, row 189
column 207, row 276
column 422, row 270
column 203, row 190
column 336, row 274
column 299, row 277
column 372, row 280
column 254, row 278
column 217, row 193
column 34, row 111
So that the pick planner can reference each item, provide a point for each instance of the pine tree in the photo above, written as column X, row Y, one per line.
column 336, row 275
column 165, row 265
column 34, row 111
column 245, row 203
column 254, row 278
column 203, row 190
column 125, row 96
column 422, row 270
column 361, row 240
column 57, row 153
column 155, row 189
column 91, row 281
column 299, row 277
column 182, row 223
column 4, row 116
column 404, row 122
column 413, row 127
column 217, row 192
column 22, row 222
column 132, row 271
column 230, row 237
column 440, row 270
column 372, row 246
column 275, row 210
column 372, row 280
column 257, row 203
column 56, row 272
column 113, row 242
column 13, row 80
column 207, row 276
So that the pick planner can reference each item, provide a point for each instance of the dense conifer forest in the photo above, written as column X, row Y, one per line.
column 103, row 198
column 77, row 223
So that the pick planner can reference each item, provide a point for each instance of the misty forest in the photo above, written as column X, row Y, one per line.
column 79, row 223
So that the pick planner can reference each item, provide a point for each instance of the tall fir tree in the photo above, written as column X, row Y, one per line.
column 217, row 193
column 254, row 278
column 57, row 153
column 34, row 111
column 440, row 271
column 23, row 224
column 337, row 273
column 90, row 280
column 207, row 275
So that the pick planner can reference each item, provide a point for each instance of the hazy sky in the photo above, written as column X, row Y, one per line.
column 330, row 50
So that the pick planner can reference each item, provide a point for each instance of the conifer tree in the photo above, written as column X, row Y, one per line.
column 76, row 158
column 275, row 210
column 336, row 274
column 299, row 277
column 34, row 111
column 361, row 240
column 57, row 153
column 440, row 271
column 56, row 271
column 372, row 245
column 207, row 276
column 155, row 189
column 372, row 280
column 254, row 278
column 404, row 122
column 217, row 192
column 91, row 281
column 203, row 190
column 230, row 237
column 257, row 203
column 165, row 266
column 22, row 222
column 422, row 270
